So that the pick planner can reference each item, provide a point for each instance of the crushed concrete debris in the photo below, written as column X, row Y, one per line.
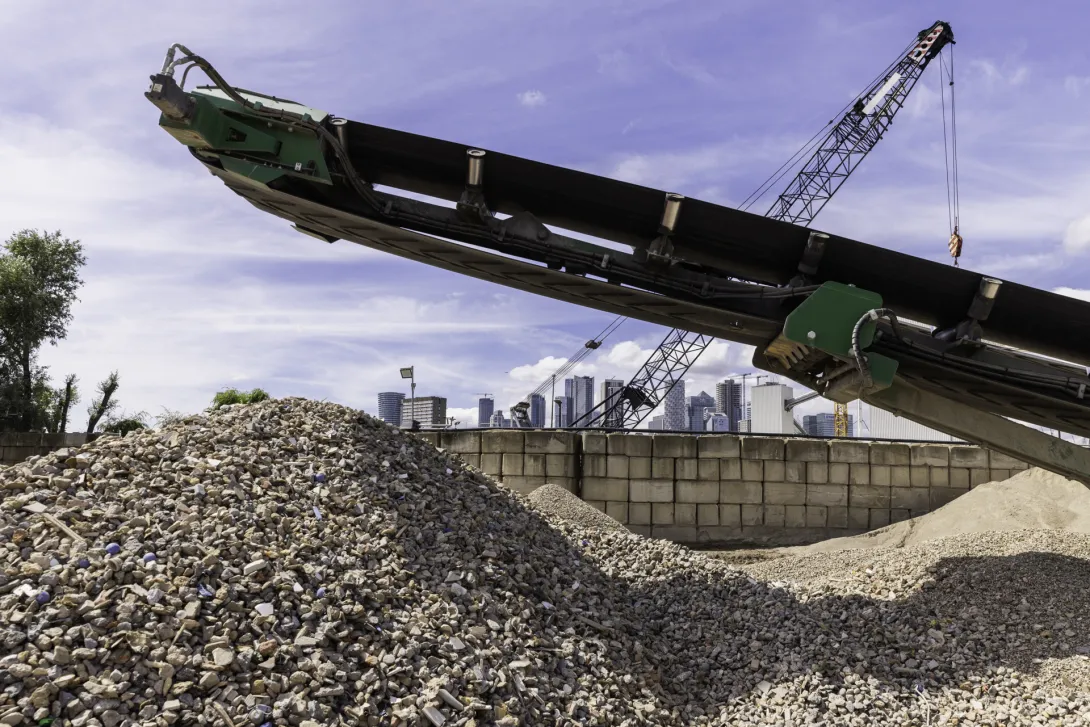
column 552, row 622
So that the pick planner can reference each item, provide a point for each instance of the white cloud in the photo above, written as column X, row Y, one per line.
column 1075, row 85
column 1074, row 293
column 1077, row 235
column 531, row 98
column 1006, row 73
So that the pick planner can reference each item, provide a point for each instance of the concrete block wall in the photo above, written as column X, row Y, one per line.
column 16, row 447
column 722, row 488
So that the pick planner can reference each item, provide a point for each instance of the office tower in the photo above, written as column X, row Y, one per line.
column 485, row 406
column 728, row 401
column 718, row 422
column 821, row 425
column 389, row 407
column 428, row 410
column 656, row 423
column 537, row 411
column 562, row 411
column 580, row 389
column 498, row 420
column 674, row 413
column 696, row 409
column 611, row 392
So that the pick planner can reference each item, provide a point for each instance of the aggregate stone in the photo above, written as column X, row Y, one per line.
column 404, row 588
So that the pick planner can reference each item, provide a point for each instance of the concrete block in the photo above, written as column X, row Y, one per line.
column 753, row 469
column 827, row 495
column 998, row 460
column 559, row 465
column 930, row 455
column 762, row 448
column 841, row 450
column 707, row 470
column 910, row 498
column 785, row 493
column 637, row 445
column 512, row 464
column 662, row 513
column 651, row 491
column 917, row 513
column 741, row 492
column 730, row 516
column 491, row 463
column 837, row 517
column 858, row 474
column 594, row 465
column 472, row 460
column 717, row 446
column 817, row 472
column 879, row 518
column 794, row 516
column 807, row 450
column 457, row 442
column 939, row 477
column 618, row 511
column 639, row 513
column 752, row 515
column 597, row 504
column 593, row 443
column 978, row 477
column 888, row 453
column 775, row 515
column 533, row 465
column 900, row 476
column 639, row 468
column 919, row 476
column 816, row 516
column 794, row 471
column 896, row 516
column 503, row 442
column 869, row 496
column 880, row 475
column 685, row 468
column 858, row 518
column 673, row 445
column 617, row 465
column 959, row 477
column 605, row 488
column 730, row 468
column 967, row 456
column 568, row 483
column 550, row 442
column 719, row 534
column 662, row 468
column 697, row 491
column 775, row 471
column 674, row 533
column 523, row 485
column 641, row 530
column 684, row 513
column 431, row 438
column 942, row 495
column 615, row 442
column 839, row 473
column 999, row 475
column 707, row 515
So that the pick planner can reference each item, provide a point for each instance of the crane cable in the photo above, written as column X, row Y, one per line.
column 950, row 157
column 579, row 355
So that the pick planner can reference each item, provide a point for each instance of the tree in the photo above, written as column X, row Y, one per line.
column 103, row 405
column 39, row 277
column 69, row 397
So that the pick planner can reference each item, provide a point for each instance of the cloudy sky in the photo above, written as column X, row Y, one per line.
column 188, row 289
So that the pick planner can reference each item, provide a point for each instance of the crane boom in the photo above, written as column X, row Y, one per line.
column 837, row 155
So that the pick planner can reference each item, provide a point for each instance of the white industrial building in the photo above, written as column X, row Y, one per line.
column 881, row 424
column 769, row 414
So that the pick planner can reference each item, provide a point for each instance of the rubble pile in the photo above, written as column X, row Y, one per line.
column 298, row 563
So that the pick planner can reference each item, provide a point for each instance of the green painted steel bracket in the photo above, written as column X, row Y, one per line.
column 825, row 321
column 256, row 149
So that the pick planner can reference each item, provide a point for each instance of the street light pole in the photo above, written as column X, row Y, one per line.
column 409, row 373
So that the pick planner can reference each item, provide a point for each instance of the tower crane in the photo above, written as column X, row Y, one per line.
column 836, row 155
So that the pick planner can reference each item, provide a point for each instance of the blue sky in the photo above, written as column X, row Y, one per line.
column 189, row 289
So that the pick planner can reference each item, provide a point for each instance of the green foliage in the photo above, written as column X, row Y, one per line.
column 230, row 397
column 122, row 424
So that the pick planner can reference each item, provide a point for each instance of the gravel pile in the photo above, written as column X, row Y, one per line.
column 560, row 503
column 298, row 563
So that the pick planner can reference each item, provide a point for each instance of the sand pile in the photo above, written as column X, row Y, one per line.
column 557, row 501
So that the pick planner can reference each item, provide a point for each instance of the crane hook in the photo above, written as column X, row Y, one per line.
column 955, row 246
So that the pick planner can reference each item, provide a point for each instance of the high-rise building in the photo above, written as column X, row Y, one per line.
column 611, row 392
column 562, row 411
column 428, row 410
column 498, row 420
column 718, row 422
column 389, row 407
column 728, row 401
column 822, row 425
column 537, row 411
column 580, row 389
column 696, row 409
column 674, row 410
column 656, row 422
column 485, row 406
